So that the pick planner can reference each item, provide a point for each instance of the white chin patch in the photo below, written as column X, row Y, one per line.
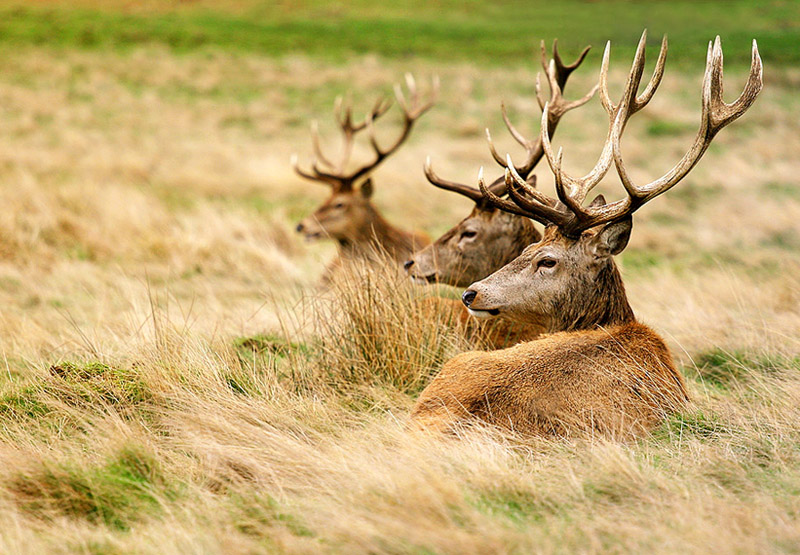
column 480, row 313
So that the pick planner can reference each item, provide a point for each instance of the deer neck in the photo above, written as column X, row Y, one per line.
column 375, row 231
column 605, row 305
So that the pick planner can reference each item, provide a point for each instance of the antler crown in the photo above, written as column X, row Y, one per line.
column 569, row 214
column 324, row 170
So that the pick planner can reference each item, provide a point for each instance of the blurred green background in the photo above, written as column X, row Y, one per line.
column 488, row 32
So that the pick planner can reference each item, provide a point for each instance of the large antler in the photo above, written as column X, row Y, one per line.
column 557, row 74
column 334, row 173
column 572, row 217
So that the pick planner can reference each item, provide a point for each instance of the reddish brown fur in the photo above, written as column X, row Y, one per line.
column 359, row 230
column 478, row 245
column 600, row 371
column 618, row 382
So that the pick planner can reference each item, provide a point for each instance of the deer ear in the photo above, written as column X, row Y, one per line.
column 599, row 200
column 612, row 239
column 366, row 188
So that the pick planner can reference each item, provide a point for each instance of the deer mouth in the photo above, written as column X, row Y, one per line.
column 483, row 313
column 426, row 279
column 314, row 236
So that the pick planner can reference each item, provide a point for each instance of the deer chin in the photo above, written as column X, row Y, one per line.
column 477, row 313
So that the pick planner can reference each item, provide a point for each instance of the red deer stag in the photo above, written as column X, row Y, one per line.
column 600, row 370
column 490, row 238
column 348, row 216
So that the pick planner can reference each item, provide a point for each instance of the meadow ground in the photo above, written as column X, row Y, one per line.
column 172, row 383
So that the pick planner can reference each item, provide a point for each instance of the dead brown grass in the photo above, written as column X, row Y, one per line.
column 208, row 401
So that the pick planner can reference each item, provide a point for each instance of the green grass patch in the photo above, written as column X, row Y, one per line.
column 86, row 385
column 667, row 128
column 116, row 493
column 788, row 240
column 22, row 404
column 444, row 30
column 640, row 260
column 265, row 356
column 518, row 507
column 696, row 424
column 257, row 515
column 782, row 190
column 95, row 381
column 722, row 369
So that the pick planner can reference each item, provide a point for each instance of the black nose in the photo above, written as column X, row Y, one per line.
column 299, row 228
column 408, row 264
column 468, row 296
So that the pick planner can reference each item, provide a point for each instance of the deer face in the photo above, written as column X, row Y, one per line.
column 482, row 242
column 553, row 281
column 346, row 215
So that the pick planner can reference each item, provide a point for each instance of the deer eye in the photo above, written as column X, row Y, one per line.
column 546, row 263
column 339, row 205
column 468, row 234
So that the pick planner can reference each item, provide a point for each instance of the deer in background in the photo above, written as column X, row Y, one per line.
column 490, row 238
column 348, row 215
column 599, row 370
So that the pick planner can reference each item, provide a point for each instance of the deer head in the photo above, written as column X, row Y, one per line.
column 569, row 280
column 348, row 215
column 489, row 238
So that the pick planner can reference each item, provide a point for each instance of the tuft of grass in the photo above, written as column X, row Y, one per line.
column 266, row 358
column 90, row 385
column 376, row 328
column 93, row 381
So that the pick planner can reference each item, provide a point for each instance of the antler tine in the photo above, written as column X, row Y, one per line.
column 542, row 212
column 723, row 113
column 469, row 192
column 572, row 191
column 578, row 187
column 635, row 102
column 520, row 186
column 412, row 111
column 716, row 114
column 495, row 200
column 519, row 137
column 562, row 70
column 314, row 175
column 315, row 145
column 557, row 74
column 655, row 80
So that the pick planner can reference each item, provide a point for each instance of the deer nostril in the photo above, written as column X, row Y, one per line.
column 468, row 296
column 407, row 265
column 299, row 228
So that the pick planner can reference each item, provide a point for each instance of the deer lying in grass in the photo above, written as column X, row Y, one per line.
column 490, row 238
column 348, row 216
column 600, row 370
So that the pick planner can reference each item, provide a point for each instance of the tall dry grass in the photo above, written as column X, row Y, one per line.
column 173, row 381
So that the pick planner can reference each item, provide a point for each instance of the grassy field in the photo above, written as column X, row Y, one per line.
column 172, row 381
column 488, row 32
